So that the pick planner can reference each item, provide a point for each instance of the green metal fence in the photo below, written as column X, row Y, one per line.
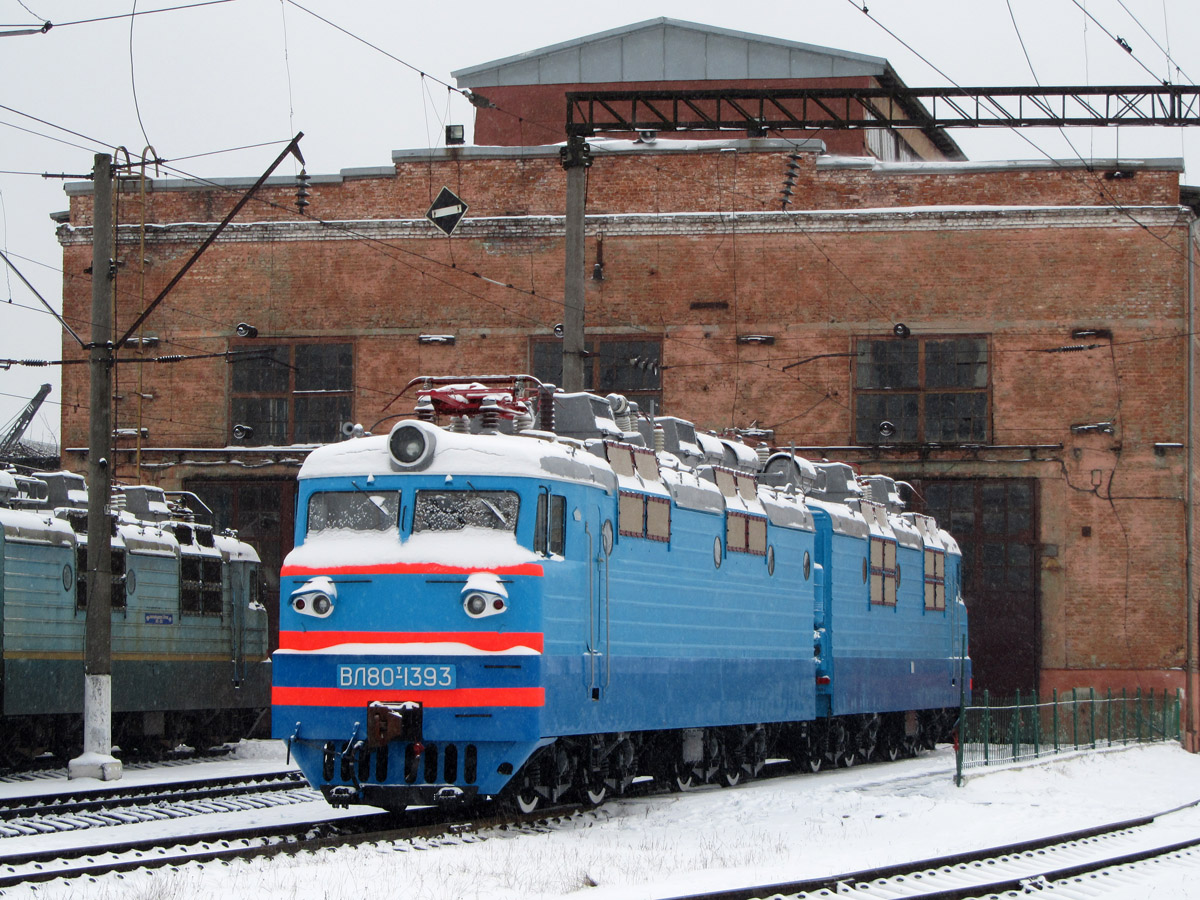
column 1025, row 728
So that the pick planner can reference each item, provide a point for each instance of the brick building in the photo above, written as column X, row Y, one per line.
column 1039, row 404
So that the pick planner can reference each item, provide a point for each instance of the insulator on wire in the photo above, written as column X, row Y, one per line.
column 302, row 190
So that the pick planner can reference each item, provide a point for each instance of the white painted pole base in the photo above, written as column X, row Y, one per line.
column 97, row 760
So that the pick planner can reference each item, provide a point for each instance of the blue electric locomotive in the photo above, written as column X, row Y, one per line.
column 189, row 633
column 490, row 609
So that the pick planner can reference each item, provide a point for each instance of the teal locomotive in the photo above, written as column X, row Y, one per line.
column 189, row 630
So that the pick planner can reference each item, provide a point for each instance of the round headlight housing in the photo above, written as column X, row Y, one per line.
column 410, row 445
column 475, row 604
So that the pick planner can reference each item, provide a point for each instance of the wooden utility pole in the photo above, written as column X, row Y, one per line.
column 97, row 760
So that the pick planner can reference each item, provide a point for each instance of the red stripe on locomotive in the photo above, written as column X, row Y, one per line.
column 458, row 697
column 533, row 569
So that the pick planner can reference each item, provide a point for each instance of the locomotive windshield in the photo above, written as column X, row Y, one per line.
column 357, row 510
column 455, row 510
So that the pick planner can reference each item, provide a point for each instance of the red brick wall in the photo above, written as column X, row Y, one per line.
column 1110, row 602
column 622, row 182
column 525, row 115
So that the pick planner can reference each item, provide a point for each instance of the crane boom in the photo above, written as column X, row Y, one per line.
column 14, row 432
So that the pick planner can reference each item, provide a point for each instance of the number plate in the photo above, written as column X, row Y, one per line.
column 412, row 677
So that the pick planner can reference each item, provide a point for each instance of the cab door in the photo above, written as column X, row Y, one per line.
column 237, row 618
column 600, row 545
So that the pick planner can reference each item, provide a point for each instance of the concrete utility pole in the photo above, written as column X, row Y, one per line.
column 576, row 157
column 97, row 760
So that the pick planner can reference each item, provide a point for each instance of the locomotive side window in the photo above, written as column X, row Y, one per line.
column 935, row 579
column 456, row 510
column 189, row 583
column 745, row 534
column 117, row 596
column 631, row 514
column 658, row 518
column 756, row 535
column 640, row 515
column 735, row 532
column 353, row 511
column 883, row 572
column 211, row 599
column 549, row 536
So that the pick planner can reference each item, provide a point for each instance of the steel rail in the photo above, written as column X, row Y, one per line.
column 179, row 792
column 859, row 881
column 256, row 842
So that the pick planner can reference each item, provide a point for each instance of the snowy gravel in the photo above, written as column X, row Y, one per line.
column 669, row 844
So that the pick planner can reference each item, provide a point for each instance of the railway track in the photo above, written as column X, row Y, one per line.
column 119, row 806
column 250, row 843
column 1080, row 864
column 80, row 811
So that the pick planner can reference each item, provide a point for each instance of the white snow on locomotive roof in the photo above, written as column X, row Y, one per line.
column 844, row 519
column 147, row 539
column 235, row 550
column 785, row 509
column 465, row 454
column 479, row 548
column 23, row 525
column 949, row 542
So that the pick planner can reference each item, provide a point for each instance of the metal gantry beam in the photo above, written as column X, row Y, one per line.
column 758, row 111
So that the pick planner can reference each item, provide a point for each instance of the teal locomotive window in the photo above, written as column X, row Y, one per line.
column 117, row 595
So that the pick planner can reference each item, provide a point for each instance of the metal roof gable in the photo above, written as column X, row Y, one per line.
column 665, row 49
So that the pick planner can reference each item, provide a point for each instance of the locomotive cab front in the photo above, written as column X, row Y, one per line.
column 411, row 638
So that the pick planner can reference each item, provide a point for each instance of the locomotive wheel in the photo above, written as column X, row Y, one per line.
column 596, row 793
column 869, row 738
column 526, row 800
column 731, row 776
column 522, row 794
column 846, row 753
column 891, row 747
column 812, row 762
column 685, row 778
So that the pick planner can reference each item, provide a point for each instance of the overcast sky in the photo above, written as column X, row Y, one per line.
column 244, row 72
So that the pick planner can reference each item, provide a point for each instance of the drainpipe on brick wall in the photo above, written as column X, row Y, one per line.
column 1191, row 737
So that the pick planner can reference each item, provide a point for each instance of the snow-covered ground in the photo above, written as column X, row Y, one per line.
column 763, row 832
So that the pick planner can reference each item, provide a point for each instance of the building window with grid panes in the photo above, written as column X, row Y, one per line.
column 291, row 393
column 613, row 364
column 932, row 390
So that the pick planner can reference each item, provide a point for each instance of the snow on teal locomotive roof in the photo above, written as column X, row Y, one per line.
column 533, row 454
column 546, row 456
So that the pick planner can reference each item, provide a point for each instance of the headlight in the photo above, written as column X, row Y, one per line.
column 410, row 446
column 316, row 597
column 484, row 595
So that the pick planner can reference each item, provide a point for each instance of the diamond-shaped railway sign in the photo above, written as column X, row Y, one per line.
column 446, row 211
